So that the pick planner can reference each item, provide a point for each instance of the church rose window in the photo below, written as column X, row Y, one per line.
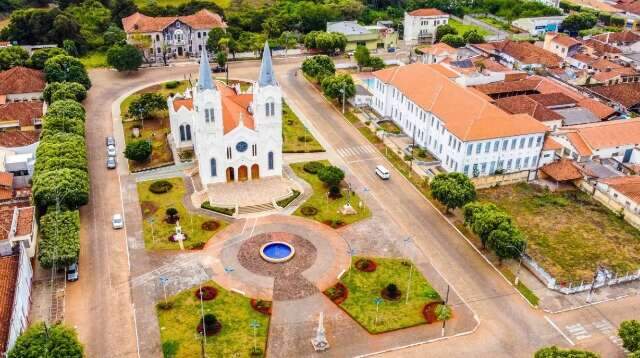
column 242, row 147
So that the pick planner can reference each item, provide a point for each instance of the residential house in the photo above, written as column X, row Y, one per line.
column 625, row 190
column 551, row 150
column 630, row 10
column 519, row 55
column 19, row 227
column 420, row 25
column 458, row 125
column 624, row 96
column 15, row 297
column 620, row 39
column 171, row 36
column 599, row 49
column 480, row 70
column 372, row 37
column 561, row 44
column 538, row 25
column 23, row 116
column 21, row 84
column 618, row 140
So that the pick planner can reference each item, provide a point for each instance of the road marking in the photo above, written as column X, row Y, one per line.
column 355, row 150
column 559, row 330
column 578, row 331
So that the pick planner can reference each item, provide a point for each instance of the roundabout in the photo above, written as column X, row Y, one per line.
column 281, row 258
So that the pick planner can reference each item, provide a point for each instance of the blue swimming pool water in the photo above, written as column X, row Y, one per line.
column 277, row 250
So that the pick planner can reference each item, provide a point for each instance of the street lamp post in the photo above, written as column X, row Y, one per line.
column 344, row 95
column 406, row 240
column 254, row 324
column 377, row 301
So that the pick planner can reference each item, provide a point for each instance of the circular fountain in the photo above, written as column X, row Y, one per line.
column 277, row 251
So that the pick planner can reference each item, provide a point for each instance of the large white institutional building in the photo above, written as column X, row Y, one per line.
column 235, row 136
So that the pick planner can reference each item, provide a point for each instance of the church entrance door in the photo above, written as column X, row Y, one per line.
column 243, row 173
column 230, row 175
column 180, row 51
column 255, row 172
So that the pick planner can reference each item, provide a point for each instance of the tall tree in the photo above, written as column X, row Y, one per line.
column 443, row 30
column 453, row 190
column 63, row 68
column 42, row 341
column 555, row 352
column 630, row 333
column 124, row 58
column 362, row 56
column 12, row 56
column 39, row 57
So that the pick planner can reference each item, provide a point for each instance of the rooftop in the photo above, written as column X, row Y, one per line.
column 22, row 112
column 576, row 115
column 14, row 139
column 348, row 28
column 21, row 80
column 628, row 186
column 8, row 278
column 624, row 37
column 627, row 94
column 608, row 134
column 523, row 51
column 465, row 113
column 600, row 48
column 437, row 49
column 427, row 12
column 562, row 170
column 565, row 40
column 551, row 144
column 525, row 104
column 201, row 20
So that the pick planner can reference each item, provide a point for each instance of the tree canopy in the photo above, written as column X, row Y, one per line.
column 39, row 57
column 453, row 190
column 139, row 150
column 12, row 56
column 144, row 106
column 630, row 333
column 63, row 68
column 58, row 91
column 319, row 67
column 41, row 341
column 580, row 21
column 443, row 30
column 327, row 42
column 333, row 87
column 60, row 242
column 124, row 57
column 555, row 352
column 454, row 41
column 67, row 108
column 71, row 186
column 331, row 175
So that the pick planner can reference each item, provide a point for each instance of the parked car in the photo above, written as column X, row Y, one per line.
column 218, row 69
column 382, row 172
column 391, row 49
column 117, row 222
column 111, row 151
column 110, row 141
column 72, row 272
column 111, row 162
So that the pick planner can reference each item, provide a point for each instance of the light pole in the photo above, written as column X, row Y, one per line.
column 446, row 300
column 153, row 236
column 254, row 324
column 344, row 94
column 163, row 281
column 203, row 342
column 593, row 284
column 351, row 251
column 377, row 301
column 406, row 240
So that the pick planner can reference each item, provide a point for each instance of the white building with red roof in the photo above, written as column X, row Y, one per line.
column 235, row 136
column 420, row 25
column 172, row 36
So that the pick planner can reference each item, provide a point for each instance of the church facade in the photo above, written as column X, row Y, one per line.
column 235, row 136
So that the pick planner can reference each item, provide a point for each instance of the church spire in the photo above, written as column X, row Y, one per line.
column 205, row 81
column 267, row 77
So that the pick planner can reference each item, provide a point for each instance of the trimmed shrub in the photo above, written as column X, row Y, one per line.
column 313, row 167
column 443, row 312
column 138, row 151
column 67, row 108
column 225, row 211
column 171, row 84
column 70, row 186
column 160, row 187
column 334, row 192
column 391, row 292
column 209, row 325
column 57, row 91
column 210, row 225
column 305, row 138
column 308, row 210
column 206, row 293
column 331, row 175
column 60, row 242
column 366, row 265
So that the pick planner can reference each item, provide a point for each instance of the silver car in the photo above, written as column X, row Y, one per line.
column 110, row 141
column 72, row 272
column 111, row 162
column 117, row 222
column 111, row 151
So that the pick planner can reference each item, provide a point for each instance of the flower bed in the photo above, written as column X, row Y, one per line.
column 210, row 225
column 365, row 265
column 262, row 306
column 206, row 293
column 338, row 293
column 429, row 312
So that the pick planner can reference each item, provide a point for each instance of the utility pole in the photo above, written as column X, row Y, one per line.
column 446, row 300
column 344, row 94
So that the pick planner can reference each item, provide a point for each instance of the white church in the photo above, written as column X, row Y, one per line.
column 235, row 136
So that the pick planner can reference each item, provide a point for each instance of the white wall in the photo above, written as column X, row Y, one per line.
column 19, row 97
column 415, row 25
column 22, row 300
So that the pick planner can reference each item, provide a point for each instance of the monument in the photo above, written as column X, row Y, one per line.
column 320, row 342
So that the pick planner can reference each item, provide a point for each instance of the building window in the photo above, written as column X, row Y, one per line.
column 513, row 143
column 530, row 142
column 487, row 146
column 469, row 149
column 504, row 144
column 228, row 152
column 484, row 167
column 466, row 169
column 214, row 170
column 539, row 141
column 526, row 162
column 518, row 163
column 254, row 150
column 157, row 37
column 183, row 136
column 478, row 148
column 492, row 167
column 496, row 145
column 509, row 164
column 270, row 159
column 199, row 34
column 522, row 140
column 187, row 130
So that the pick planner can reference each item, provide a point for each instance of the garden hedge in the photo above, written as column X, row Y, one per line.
column 60, row 242
column 60, row 151
column 59, row 124
column 71, row 186
column 67, row 108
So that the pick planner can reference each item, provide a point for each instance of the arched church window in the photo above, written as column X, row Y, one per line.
column 270, row 159
column 187, row 130
column 182, row 133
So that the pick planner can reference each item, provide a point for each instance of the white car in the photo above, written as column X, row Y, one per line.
column 111, row 151
column 117, row 221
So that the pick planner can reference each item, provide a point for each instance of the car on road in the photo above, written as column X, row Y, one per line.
column 382, row 172
column 111, row 151
column 111, row 162
column 117, row 222
column 110, row 141
column 72, row 272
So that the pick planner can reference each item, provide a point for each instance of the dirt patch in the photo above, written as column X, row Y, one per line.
column 210, row 225
column 148, row 208
column 337, row 293
column 261, row 306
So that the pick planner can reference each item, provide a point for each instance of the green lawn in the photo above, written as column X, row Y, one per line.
column 156, row 234
column 156, row 131
column 178, row 325
column 94, row 59
column 365, row 287
column 495, row 23
column 390, row 127
column 142, row 3
column 568, row 232
column 462, row 28
column 296, row 137
column 160, row 88
column 327, row 207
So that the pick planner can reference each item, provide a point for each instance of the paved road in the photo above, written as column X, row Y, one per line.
column 99, row 304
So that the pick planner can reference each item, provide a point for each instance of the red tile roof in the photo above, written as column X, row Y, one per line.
column 584, row 58
column 598, row 108
column 562, row 170
column 632, row 6
column 201, row 20
column 427, row 12
column 601, row 48
column 437, row 49
column 21, row 80
column 624, row 37
column 628, row 186
column 23, row 112
column 525, row 104
column 183, row 102
column 565, row 40
column 13, row 139
column 235, row 108
column 523, row 52
column 465, row 113
column 552, row 99
column 529, row 84
column 627, row 94
column 6, row 179
column 551, row 144
column 24, row 226
column 8, row 278
column 602, row 135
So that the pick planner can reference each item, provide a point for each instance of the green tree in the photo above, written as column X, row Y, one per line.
column 146, row 105
column 57, row 91
column 94, row 19
column 580, row 21
column 330, row 175
column 139, row 150
column 58, row 124
column 114, row 36
column 71, row 186
column 473, row 37
column 453, row 40
column 630, row 333
column 60, row 241
column 327, row 42
column 443, row 312
column 120, row 9
column 221, row 59
column 453, row 190
column 67, row 108
column 12, row 56
column 506, row 241
column 124, row 58
column 64, row 68
column 376, row 63
column 318, row 67
column 70, row 47
column 443, row 30
column 362, row 56
column 338, row 87
column 555, row 352
column 488, row 219
column 213, row 40
column 41, row 341
column 39, row 57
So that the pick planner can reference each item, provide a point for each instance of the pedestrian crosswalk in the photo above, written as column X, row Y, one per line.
column 578, row 331
column 356, row 150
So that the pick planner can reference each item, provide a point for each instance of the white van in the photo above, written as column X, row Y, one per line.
column 382, row 172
